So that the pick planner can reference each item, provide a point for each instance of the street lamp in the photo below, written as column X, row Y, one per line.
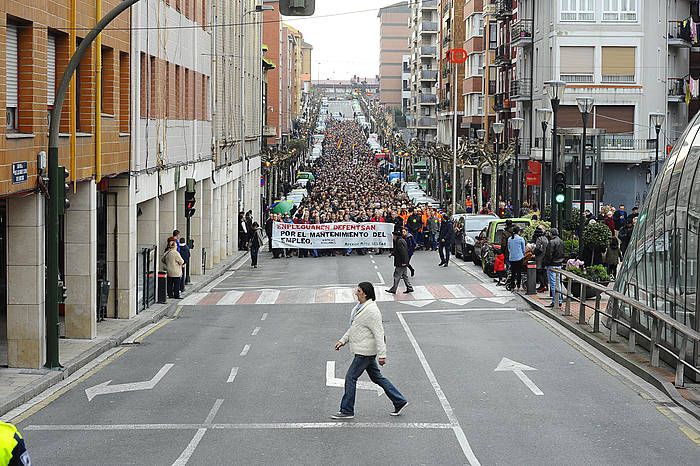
column 585, row 106
column 554, row 90
column 480, row 133
column 244, row 158
column 657, row 119
column 516, row 125
column 543, row 114
column 497, row 130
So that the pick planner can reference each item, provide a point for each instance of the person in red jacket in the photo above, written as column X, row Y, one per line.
column 499, row 268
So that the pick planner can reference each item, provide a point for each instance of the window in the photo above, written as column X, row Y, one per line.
column 11, row 76
column 577, row 10
column 619, row 10
column 124, row 90
column 475, row 25
column 576, row 64
column 178, row 93
column 618, row 65
column 475, row 65
column 51, row 70
column 475, row 104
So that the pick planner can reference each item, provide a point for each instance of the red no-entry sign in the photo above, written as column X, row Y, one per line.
column 456, row 55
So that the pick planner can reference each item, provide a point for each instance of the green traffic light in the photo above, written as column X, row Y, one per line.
column 560, row 198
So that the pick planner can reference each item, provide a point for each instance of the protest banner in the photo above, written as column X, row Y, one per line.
column 332, row 235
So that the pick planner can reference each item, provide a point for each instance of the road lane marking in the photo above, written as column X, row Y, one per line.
column 376, row 267
column 264, row 316
column 216, row 282
column 456, row 428
column 268, row 297
column 192, row 446
column 246, row 348
column 260, row 426
column 421, row 293
column 230, row 298
column 255, row 331
column 333, row 381
column 373, row 261
column 435, row 311
column 381, row 279
column 105, row 387
column 344, row 295
column 192, row 299
column 459, row 291
column 232, row 375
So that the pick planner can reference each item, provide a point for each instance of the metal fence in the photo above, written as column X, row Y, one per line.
column 146, row 268
column 624, row 315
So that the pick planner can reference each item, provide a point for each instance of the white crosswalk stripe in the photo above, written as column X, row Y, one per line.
column 268, row 297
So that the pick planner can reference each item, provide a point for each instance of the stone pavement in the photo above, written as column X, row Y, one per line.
column 20, row 385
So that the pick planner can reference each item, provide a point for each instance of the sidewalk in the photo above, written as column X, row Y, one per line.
column 18, row 386
column 688, row 397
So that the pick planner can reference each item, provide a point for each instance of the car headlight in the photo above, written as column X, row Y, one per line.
column 469, row 240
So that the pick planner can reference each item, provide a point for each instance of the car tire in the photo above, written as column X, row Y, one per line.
column 476, row 260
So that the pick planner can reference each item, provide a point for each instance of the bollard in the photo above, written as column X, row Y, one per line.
column 531, row 277
column 162, row 287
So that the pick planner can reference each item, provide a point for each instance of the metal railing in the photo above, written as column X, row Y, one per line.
column 616, row 319
column 429, row 75
column 676, row 87
column 616, row 142
column 426, row 50
column 520, row 88
column 521, row 31
column 677, row 34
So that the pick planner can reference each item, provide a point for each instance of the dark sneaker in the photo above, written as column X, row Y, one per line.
column 342, row 415
column 399, row 410
column 389, row 291
column 410, row 290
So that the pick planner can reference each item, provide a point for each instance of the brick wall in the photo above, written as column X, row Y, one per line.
column 37, row 18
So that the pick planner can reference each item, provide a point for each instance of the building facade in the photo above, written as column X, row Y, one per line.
column 394, row 34
column 423, row 46
column 452, row 35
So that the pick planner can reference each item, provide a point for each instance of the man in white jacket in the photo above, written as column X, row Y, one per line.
column 366, row 338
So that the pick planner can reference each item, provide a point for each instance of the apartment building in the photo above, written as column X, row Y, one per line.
column 394, row 34
column 626, row 54
column 479, row 83
column 306, row 66
column 95, row 149
column 423, row 46
column 452, row 36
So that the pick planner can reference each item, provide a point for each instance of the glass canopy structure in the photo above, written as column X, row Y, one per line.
column 660, row 267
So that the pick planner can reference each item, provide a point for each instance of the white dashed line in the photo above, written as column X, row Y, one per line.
column 264, row 316
column 246, row 348
column 255, row 331
column 232, row 376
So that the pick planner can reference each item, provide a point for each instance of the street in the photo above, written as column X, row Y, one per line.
column 249, row 382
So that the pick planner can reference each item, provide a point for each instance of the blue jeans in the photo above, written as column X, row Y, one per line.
column 369, row 364
column 554, row 282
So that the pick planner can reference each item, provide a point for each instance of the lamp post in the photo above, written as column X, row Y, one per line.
column 243, row 114
column 543, row 114
column 497, row 130
column 516, row 125
column 554, row 91
column 657, row 119
column 480, row 133
column 585, row 106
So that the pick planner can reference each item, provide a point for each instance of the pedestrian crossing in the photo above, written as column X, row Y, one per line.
column 453, row 293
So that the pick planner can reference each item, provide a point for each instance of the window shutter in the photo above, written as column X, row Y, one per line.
column 576, row 60
column 11, row 66
column 615, row 119
column 618, row 61
column 51, row 70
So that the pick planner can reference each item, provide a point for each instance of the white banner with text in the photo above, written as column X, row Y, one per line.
column 332, row 235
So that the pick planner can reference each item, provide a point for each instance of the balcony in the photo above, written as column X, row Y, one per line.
column 678, row 36
column 492, row 87
column 428, row 75
column 428, row 51
column 269, row 131
column 521, row 33
column 520, row 89
column 429, row 27
column 676, row 90
column 501, row 102
column 503, row 56
column 503, row 9
column 577, row 78
column 426, row 122
column 427, row 99
column 429, row 5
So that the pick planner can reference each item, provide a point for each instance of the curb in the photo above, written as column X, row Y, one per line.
column 56, row 376
column 640, row 371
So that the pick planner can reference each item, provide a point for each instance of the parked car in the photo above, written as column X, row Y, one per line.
column 408, row 185
column 489, row 242
column 467, row 228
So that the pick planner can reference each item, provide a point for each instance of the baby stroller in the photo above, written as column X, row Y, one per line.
column 510, row 280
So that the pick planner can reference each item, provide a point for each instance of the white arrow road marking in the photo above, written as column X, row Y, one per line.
column 333, row 381
column 105, row 388
column 508, row 365
column 459, row 301
column 419, row 303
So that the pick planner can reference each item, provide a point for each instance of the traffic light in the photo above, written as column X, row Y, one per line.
column 559, row 187
column 62, row 206
column 190, row 201
column 297, row 7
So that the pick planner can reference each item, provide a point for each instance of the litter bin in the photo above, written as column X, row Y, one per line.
column 531, row 277
column 102, row 297
column 162, row 287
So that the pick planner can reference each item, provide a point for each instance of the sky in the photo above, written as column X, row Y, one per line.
column 344, row 45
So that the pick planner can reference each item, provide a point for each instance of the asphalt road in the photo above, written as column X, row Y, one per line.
column 241, row 376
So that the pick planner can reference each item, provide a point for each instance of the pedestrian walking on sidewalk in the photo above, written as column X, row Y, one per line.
column 447, row 240
column 400, row 263
column 367, row 343
column 256, row 242
column 173, row 266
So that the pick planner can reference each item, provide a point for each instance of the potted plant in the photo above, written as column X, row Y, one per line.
column 594, row 273
column 596, row 237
